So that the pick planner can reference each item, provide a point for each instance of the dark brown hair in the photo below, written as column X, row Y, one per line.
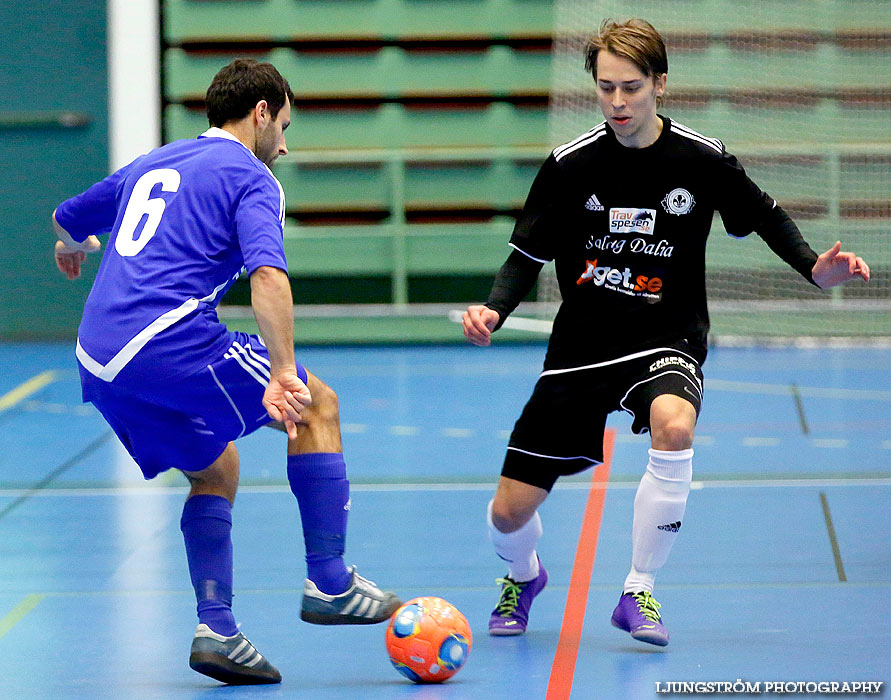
column 636, row 40
column 238, row 87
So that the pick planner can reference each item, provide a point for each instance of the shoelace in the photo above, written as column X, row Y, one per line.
column 366, row 587
column 647, row 605
column 510, row 596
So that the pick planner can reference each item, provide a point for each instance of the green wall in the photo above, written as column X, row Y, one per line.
column 53, row 54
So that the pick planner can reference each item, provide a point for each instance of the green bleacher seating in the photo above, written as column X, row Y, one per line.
column 395, row 126
column 425, row 110
column 428, row 249
column 284, row 20
column 386, row 72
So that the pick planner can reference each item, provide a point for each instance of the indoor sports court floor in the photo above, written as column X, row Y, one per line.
column 782, row 572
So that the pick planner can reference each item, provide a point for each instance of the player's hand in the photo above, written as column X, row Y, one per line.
column 286, row 398
column 70, row 259
column 478, row 322
column 835, row 267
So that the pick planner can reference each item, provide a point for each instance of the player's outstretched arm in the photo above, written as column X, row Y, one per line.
column 512, row 283
column 286, row 395
column 478, row 323
column 69, row 254
column 835, row 267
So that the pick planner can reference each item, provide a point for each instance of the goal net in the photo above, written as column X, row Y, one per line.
column 800, row 92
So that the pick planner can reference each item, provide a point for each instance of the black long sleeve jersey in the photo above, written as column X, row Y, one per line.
column 627, row 230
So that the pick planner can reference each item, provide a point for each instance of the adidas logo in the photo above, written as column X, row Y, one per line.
column 671, row 527
column 593, row 204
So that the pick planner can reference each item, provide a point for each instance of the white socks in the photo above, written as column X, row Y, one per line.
column 517, row 548
column 658, row 511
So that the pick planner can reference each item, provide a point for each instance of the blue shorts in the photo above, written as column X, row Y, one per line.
column 187, row 423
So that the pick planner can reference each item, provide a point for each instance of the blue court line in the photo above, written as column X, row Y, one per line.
column 48, row 479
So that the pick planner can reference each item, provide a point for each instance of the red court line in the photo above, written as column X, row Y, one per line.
column 563, row 668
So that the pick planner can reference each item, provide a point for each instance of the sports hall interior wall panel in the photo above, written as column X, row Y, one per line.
column 49, row 68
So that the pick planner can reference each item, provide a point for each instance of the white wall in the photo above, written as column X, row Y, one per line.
column 134, row 79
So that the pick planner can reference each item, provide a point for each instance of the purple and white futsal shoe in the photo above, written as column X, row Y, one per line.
column 638, row 613
column 511, row 615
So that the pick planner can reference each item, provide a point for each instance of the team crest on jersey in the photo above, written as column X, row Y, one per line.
column 631, row 220
column 678, row 201
column 593, row 204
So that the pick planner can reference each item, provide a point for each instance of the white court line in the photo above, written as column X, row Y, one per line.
column 457, row 432
column 761, row 441
column 404, row 430
column 454, row 486
column 784, row 390
column 830, row 442
column 519, row 323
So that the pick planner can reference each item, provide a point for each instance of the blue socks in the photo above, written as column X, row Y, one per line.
column 319, row 482
column 323, row 493
column 207, row 525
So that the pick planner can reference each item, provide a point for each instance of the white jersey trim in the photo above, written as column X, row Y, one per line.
column 254, row 360
column 229, row 399
column 531, row 257
column 109, row 371
column 624, row 358
column 695, row 385
column 216, row 290
column 687, row 132
column 583, row 140
column 216, row 132
column 536, row 454
column 259, row 374
column 692, row 381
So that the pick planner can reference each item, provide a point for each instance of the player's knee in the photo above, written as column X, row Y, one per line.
column 672, row 423
column 672, row 435
column 219, row 478
column 509, row 517
column 325, row 404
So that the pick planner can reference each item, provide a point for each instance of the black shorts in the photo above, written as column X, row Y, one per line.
column 560, row 431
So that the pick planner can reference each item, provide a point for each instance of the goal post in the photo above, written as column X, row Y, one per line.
column 800, row 92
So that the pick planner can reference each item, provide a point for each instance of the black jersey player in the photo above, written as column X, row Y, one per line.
column 624, row 210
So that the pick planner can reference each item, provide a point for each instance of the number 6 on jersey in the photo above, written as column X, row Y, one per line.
column 141, row 204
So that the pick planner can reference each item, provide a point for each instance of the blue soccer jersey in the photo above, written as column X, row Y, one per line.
column 184, row 221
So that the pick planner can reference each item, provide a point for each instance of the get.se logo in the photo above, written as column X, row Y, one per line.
column 620, row 280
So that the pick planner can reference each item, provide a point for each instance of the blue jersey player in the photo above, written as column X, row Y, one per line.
column 177, row 387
